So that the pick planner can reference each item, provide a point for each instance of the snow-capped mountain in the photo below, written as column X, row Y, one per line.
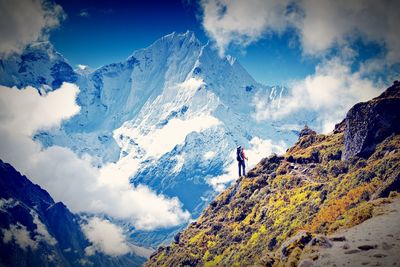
column 169, row 116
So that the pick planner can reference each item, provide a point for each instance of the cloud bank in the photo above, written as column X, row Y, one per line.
column 26, row 21
column 329, row 23
column 323, row 28
column 109, row 239
column 20, row 234
column 331, row 91
column 242, row 22
column 320, row 25
column 66, row 176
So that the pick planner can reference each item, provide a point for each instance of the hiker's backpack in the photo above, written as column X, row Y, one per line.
column 239, row 154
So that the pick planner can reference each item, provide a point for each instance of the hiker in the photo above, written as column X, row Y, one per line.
column 240, row 157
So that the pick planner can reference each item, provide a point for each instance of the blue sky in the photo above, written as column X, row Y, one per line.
column 101, row 32
column 96, row 33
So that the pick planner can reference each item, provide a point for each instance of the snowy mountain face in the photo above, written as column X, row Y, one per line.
column 170, row 116
column 39, row 66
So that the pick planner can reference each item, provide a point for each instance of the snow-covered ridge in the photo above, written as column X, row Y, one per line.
column 169, row 116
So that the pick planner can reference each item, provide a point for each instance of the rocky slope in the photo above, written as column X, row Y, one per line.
column 36, row 231
column 281, row 213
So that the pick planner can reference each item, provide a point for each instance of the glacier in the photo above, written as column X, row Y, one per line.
column 169, row 116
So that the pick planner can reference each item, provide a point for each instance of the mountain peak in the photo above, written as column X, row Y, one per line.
column 170, row 42
column 188, row 34
column 43, row 45
column 186, row 37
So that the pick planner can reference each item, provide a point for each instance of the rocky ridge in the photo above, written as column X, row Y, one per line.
column 289, row 208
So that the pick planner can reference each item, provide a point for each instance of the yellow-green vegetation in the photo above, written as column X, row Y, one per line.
column 310, row 189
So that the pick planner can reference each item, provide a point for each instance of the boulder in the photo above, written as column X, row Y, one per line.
column 306, row 131
column 390, row 185
column 268, row 260
column 369, row 123
column 300, row 240
column 321, row 241
column 340, row 127
column 177, row 238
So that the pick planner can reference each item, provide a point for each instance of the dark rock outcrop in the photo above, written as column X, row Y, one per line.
column 369, row 123
column 306, row 131
column 300, row 240
column 390, row 185
column 340, row 127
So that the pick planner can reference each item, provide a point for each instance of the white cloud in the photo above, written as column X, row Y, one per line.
column 328, row 23
column 163, row 140
column 242, row 22
column 191, row 84
column 66, row 176
column 105, row 237
column 25, row 111
column 41, row 231
column 290, row 127
column 160, row 141
column 259, row 148
column 7, row 204
column 25, row 21
column 19, row 232
column 321, row 25
column 84, row 13
column 20, row 235
column 330, row 92
column 180, row 161
column 82, row 67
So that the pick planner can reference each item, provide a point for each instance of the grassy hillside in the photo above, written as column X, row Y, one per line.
column 268, row 217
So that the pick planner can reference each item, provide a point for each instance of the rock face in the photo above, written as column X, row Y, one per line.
column 367, row 124
column 36, row 231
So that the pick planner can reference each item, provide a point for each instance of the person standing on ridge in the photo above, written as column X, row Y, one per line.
column 241, row 157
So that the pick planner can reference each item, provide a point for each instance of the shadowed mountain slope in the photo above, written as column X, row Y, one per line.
column 36, row 231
